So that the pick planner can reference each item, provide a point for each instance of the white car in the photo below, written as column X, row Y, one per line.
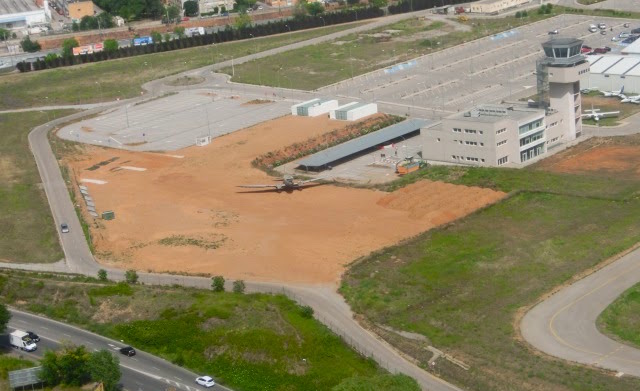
column 206, row 381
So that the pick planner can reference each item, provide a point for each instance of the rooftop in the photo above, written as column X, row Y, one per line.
column 494, row 113
column 362, row 143
column 8, row 7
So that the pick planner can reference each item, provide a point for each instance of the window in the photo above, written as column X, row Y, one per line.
column 499, row 143
column 482, row 144
column 472, row 159
column 471, row 143
column 481, row 132
column 503, row 160
column 470, row 131
column 501, row 130
column 457, row 130
column 532, row 138
column 438, row 139
column 530, row 126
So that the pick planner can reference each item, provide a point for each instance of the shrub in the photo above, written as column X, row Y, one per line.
column 306, row 312
column 217, row 283
column 131, row 276
column 102, row 275
column 238, row 286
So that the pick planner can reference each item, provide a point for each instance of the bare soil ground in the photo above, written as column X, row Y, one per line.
column 185, row 214
column 612, row 156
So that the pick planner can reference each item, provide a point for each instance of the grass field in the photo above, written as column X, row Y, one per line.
column 461, row 285
column 621, row 319
column 123, row 78
column 598, row 101
column 250, row 342
column 27, row 231
column 315, row 66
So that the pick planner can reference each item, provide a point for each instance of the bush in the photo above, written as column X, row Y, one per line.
column 306, row 312
column 30, row 46
column 238, row 286
column 102, row 275
column 131, row 276
column 217, row 283
column 518, row 15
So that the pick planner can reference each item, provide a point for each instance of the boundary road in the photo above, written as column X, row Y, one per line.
column 564, row 325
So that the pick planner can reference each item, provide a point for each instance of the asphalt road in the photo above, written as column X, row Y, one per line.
column 142, row 372
column 564, row 324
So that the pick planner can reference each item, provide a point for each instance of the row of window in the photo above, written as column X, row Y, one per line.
column 553, row 140
column 467, row 158
column 501, row 130
column 472, row 143
column 499, row 143
column 468, row 131
column 503, row 160
column 583, row 71
column 532, row 138
column 530, row 126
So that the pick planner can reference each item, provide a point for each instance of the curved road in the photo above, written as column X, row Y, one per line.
column 330, row 308
column 564, row 325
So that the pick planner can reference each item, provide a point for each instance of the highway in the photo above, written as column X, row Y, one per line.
column 142, row 372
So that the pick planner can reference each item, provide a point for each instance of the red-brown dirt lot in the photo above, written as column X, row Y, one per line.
column 188, row 215
column 617, row 156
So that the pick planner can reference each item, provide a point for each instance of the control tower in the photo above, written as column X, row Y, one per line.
column 558, row 82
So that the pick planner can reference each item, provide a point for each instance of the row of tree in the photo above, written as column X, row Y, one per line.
column 102, row 21
column 75, row 366
column 111, row 49
column 133, row 9
column 416, row 5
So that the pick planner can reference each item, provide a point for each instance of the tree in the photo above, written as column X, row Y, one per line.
column 50, row 58
column 102, row 274
column 4, row 34
column 75, row 26
column 67, row 47
column 110, row 45
column 5, row 316
column 30, row 46
column 172, row 12
column 179, row 31
column 378, row 3
column 50, row 370
column 73, row 365
column 167, row 37
column 238, row 286
column 353, row 2
column 243, row 20
column 156, row 36
column 88, row 23
column 217, row 283
column 104, row 367
column 105, row 20
column 190, row 8
column 306, row 312
column 315, row 8
column 518, row 15
column 131, row 276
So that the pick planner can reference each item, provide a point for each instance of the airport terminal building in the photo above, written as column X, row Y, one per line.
column 516, row 135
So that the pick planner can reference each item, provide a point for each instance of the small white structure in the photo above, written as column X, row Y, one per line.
column 354, row 111
column 314, row 107
column 23, row 14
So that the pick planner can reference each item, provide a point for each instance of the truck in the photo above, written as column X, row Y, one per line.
column 20, row 339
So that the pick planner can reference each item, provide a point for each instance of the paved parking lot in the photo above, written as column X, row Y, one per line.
column 173, row 122
column 491, row 69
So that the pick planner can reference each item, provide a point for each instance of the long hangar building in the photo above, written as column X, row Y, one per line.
column 517, row 135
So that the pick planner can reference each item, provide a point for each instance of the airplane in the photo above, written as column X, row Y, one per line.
column 288, row 184
column 595, row 114
column 618, row 94
column 631, row 99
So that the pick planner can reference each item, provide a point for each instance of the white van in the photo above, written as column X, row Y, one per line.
column 593, row 28
column 602, row 26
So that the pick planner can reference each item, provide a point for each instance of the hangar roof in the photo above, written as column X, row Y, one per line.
column 604, row 63
column 362, row 143
column 18, row 6
column 623, row 66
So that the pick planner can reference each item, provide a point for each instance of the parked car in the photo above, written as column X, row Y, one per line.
column 128, row 351
column 635, row 31
column 553, row 32
column 205, row 381
column 34, row 337
column 614, row 38
column 593, row 28
column 624, row 35
column 64, row 228
column 626, row 25
column 602, row 26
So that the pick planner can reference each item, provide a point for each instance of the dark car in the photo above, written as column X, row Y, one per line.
column 128, row 351
column 34, row 337
column 635, row 31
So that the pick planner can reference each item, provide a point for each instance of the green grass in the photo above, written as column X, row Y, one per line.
column 621, row 319
column 9, row 363
column 461, row 285
column 316, row 66
column 250, row 342
column 529, row 179
column 27, row 230
column 123, row 78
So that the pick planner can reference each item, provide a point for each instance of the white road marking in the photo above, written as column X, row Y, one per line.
column 133, row 168
column 115, row 140
column 96, row 181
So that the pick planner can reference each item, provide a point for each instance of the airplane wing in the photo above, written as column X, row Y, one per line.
column 309, row 180
column 259, row 186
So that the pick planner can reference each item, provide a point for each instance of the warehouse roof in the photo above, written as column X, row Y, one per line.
column 632, row 48
column 623, row 66
column 362, row 143
column 352, row 105
column 314, row 102
column 635, row 71
column 16, row 7
column 604, row 63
